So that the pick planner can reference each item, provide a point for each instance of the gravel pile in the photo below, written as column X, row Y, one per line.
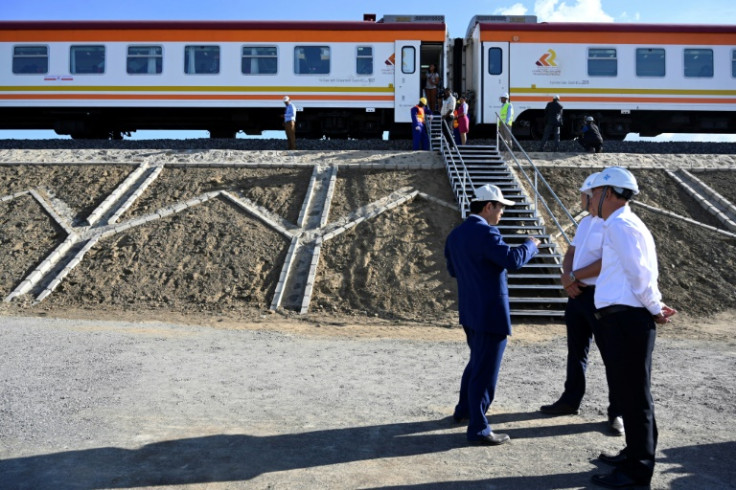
column 679, row 147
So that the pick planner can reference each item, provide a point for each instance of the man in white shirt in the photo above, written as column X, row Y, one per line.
column 290, row 122
column 447, row 112
column 580, row 268
column 629, row 305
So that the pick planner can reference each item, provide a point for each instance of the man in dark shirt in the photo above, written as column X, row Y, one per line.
column 552, row 122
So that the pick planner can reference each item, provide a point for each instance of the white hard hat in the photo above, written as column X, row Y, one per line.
column 588, row 184
column 505, row 96
column 589, row 118
column 490, row 192
column 555, row 97
column 286, row 98
column 617, row 177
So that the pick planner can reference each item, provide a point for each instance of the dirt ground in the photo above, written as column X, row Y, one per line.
column 383, row 305
column 215, row 260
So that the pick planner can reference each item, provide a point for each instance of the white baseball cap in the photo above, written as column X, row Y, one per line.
column 490, row 192
column 286, row 98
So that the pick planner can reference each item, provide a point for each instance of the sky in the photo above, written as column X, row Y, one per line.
column 457, row 16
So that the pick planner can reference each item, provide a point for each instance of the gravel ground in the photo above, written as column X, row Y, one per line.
column 120, row 405
column 248, row 399
column 645, row 147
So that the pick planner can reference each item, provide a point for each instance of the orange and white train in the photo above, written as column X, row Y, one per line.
column 360, row 79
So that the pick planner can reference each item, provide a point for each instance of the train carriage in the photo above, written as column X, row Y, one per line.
column 360, row 79
column 96, row 79
column 636, row 78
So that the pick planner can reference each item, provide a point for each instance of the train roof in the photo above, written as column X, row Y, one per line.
column 343, row 25
column 619, row 33
column 223, row 31
column 608, row 26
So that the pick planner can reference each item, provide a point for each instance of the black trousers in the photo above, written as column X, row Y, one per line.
column 582, row 326
column 551, row 131
column 629, row 337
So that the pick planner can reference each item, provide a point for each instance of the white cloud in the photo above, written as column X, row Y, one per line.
column 515, row 9
column 625, row 17
column 579, row 11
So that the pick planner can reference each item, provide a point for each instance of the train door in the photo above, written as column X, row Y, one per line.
column 407, row 79
column 495, row 78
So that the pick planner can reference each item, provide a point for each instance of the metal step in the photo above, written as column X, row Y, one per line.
column 557, row 287
column 545, row 300
column 544, row 313
column 555, row 277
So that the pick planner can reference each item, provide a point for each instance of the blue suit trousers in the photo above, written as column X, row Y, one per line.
column 478, row 384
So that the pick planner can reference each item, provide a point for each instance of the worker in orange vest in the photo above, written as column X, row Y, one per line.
column 420, row 136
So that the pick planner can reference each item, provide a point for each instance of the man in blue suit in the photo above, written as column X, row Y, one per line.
column 478, row 257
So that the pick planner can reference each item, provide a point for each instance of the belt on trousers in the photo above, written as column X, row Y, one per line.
column 610, row 310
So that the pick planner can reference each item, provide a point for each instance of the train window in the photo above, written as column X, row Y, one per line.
column 87, row 59
column 602, row 62
column 364, row 60
column 408, row 59
column 312, row 60
column 649, row 62
column 259, row 60
column 30, row 59
column 201, row 60
column 145, row 60
column 733, row 63
column 699, row 63
column 495, row 61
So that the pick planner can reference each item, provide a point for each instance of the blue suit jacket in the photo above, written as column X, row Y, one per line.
column 478, row 257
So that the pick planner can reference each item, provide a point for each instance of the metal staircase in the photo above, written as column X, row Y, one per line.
column 534, row 290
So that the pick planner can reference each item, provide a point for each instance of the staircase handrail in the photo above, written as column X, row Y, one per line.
column 449, row 152
column 503, row 128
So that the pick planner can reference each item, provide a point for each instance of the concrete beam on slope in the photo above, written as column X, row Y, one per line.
column 69, row 262
column 52, row 212
column 717, row 200
column 369, row 211
column 296, row 290
column 271, row 219
column 115, row 195
column 703, row 194
column 140, row 188
column 285, row 270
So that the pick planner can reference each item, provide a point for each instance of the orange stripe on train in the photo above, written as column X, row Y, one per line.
column 374, row 98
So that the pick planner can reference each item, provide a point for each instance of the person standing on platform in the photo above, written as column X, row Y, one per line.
column 463, row 122
column 447, row 111
column 507, row 116
column 430, row 87
column 420, row 136
column 290, row 123
column 552, row 122
column 478, row 258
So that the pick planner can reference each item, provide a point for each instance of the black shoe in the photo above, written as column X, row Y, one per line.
column 613, row 459
column 616, row 425
column 491, row 440
column 559, row 408
column 617, row 479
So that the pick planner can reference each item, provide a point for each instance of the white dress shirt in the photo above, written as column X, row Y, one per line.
column 629, row 270
column 588, row 243
column 448, row 106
